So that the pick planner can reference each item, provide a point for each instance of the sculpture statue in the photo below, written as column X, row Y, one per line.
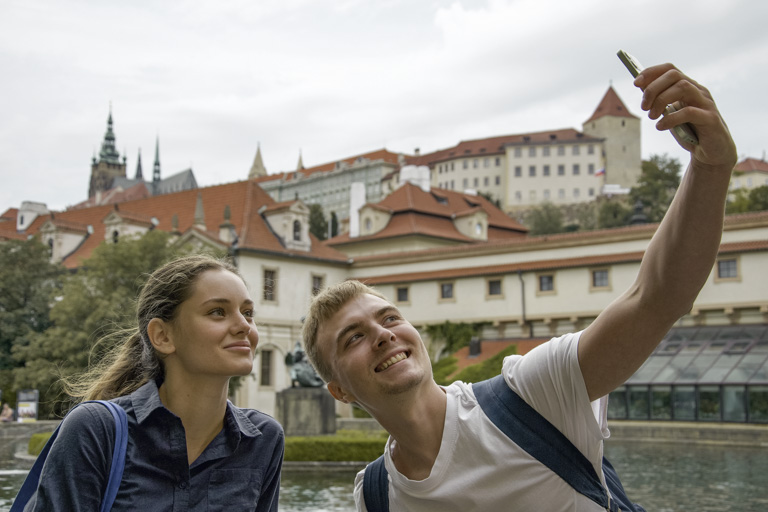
column 302, row 373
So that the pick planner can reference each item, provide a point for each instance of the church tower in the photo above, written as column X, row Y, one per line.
column 620, row 131
column 257, row 169
column 108, row 166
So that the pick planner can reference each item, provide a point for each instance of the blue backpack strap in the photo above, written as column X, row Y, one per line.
column 29, row 487
column 376, row 486
column 543, row 441
column 118, row 454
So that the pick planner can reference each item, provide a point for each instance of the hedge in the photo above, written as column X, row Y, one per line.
column 344, row 446
column 37, row 442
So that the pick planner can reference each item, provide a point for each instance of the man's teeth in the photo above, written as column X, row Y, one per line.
column 392, row 360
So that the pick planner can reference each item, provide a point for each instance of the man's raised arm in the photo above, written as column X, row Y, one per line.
column 681, row 253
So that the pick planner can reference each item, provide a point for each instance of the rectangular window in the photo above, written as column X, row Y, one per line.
column 494, row 287
column 498, row 180
column 591, row 149
column 727, row 269
column 532, row 170
column 546, row 283
column 265, row 377
column 465, row 183
column 476, row 182
column 545, row 170
column 591, row 169
column 545, row 151
column 532, row 151
column 561, row 193
column 560, row 150
column 270, row 285
column 486, row 181
column 498, row 161
column 518, row 171
column 546, row 194
column 575, row 192
column 475, row 163
column 600, row 278
column 446, row 291
column 466, row 164
column 402, row 294
column 576, row 169
column 486, row 162
column 561, row 170
column 518, row 152
column 317, row 284
column 575, row 150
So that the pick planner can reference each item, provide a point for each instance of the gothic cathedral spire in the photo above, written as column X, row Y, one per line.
column 156, row 166
column 257, row 169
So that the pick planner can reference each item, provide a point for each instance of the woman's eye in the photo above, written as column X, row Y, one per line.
column 217, row 312
column 249, row 313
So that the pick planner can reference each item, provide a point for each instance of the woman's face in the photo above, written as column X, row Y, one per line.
column 213, row 332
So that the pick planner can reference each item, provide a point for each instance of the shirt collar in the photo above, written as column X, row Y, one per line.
column 146, row 400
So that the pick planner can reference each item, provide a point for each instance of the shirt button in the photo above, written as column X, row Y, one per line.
column 182, row 485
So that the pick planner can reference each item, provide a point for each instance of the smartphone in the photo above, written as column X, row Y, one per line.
column 683, row 132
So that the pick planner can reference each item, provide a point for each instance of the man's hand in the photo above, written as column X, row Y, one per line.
column 665, row 84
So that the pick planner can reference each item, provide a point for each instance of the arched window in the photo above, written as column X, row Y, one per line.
column 296, row 231
column 50, row 247
column 115, row 236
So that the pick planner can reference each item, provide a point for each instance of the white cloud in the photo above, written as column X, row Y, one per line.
column 337, row 78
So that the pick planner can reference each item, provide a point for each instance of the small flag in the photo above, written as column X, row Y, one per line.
column 600, row 172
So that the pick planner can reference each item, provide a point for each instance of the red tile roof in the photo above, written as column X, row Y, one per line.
column 496, row 145
column 752, row 164
column 542, row 265
column 115, row 195
column 416, row 212
column 244, row 199
column 379, row 154
column 610, row 105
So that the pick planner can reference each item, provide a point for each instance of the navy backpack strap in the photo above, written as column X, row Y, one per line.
column 376, row 486
column 29, row 487
column 542, row 440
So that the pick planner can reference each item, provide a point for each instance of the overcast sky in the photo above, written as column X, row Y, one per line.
column 332, row 79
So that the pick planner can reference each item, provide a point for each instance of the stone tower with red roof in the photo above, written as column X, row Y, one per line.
column 620, row 130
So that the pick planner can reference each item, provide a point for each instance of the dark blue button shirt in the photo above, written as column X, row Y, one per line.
column 238, row 470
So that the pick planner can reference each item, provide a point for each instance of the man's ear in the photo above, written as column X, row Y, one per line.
column 339, row 394
column 160, row 336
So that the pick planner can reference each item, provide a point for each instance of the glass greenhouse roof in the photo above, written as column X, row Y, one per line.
column 733, row 354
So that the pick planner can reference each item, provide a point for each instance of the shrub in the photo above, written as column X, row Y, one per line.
column 489, row 368
column 37, row 442
column 443, row 368
column 344, row 446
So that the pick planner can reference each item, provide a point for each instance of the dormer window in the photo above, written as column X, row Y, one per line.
column 50, row 247
column 296, row 231
column 115, row 236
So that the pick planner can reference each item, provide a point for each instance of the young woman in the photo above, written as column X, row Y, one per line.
column 189, row 448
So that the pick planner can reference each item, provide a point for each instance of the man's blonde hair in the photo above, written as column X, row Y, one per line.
column 326, row 304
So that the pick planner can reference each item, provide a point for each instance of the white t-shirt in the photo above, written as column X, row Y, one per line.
column 480, row 468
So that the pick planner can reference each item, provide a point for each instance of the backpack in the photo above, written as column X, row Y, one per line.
column 534, row 434
column 29, row 487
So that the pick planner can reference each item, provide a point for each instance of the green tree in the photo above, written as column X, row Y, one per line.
column 28, row 284
column 318, row 226
column 742, row 201
column 613, row 214
column 659, row 179
column 96, row 300
column 545, row 219
column 455, row 335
